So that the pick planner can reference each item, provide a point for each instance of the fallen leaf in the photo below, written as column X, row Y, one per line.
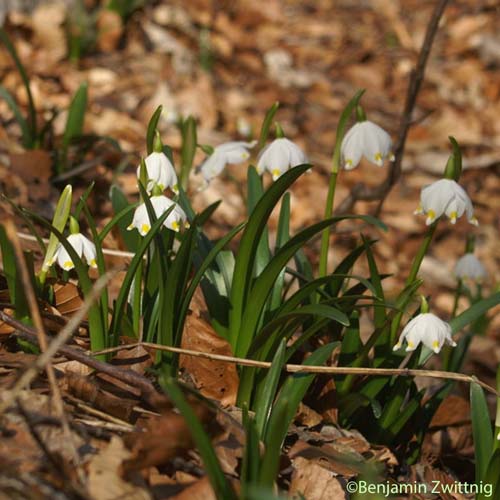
column 214, row 379
column 314, row 482
column 104, row 475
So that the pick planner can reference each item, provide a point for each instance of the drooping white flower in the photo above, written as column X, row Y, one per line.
column 469, row 267
column 160, row 171
column 229, row 152
column 366, row 139
column 445, row 197
column 279, row 156
column 427, row 328
column 160, row 205
column 82, row 245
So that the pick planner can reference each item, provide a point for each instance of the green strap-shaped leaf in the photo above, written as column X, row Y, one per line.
column 152, row 126
column 245, row 258
column 481, row 430
column 222, row 487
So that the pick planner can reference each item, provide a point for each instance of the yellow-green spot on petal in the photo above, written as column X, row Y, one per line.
column 453, row 217
column 411, row 344
column 378, row 156
column 276, row 172
column 93, row 263
column 68, row 264
column 145, row 228
column 175, row 189
column 175, row 225
column 435, row 344
column 348, row 163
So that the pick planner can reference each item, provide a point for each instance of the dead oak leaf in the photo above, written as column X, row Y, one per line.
column 104, row 478
column 314, row 482
column 214, row 379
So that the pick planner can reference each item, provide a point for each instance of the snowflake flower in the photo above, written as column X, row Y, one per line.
column 445, row 197
column 279, row 156
column 366, row 139
column 82, row 246
column 161, row 204
column 427, row 328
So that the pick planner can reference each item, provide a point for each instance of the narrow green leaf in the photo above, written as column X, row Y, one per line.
column 263, row 284
column 255, row 191
column 27, row 138
column 121, row 300
column 251, row 455
column 76, row 115
column 222, row 487
column 265, row 400
column 245, row 259
column 152, row 126
column 282, row 236
column 14, row 282
column 26, row 82
column 61, row 215
column 266, row 125
column 188, row 150
column 119, row 202
column 481, row 430
column 491, row 480
column 283, row 412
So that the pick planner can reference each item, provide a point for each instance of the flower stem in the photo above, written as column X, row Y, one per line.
column 417, row 262
column 325, row 237
column 496, row 439
column 458, row 294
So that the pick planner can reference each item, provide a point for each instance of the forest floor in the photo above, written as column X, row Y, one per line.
column 226, row 63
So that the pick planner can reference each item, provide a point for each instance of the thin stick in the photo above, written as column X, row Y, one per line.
column 147, row 389
column 105, row 251
column 292, row 368
column 363, row 192
column 45, row 358
column 36, row 317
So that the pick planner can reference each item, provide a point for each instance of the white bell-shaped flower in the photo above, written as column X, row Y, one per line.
column 229, row 152
column 160, row 171
column 82, row 245
column 427, row 328
column 161, row 204
column 445, row 197
column 366, row 139
column 469, row 267
column 279, row 156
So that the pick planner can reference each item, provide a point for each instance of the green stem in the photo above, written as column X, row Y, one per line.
column 325, row 237
column 422, row 251
column 417, row 262
column 458, row 294
column 496, row 441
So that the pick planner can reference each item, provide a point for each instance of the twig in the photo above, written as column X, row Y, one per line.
column 105, row 251
column 45, row 358
column 363, row 192
column 98, row 413
column 292, row 368
column 148, row 392
column 36, row 317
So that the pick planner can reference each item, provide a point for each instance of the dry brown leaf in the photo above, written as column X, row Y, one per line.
column 35, row 168
column 200, row 490
column 314, row 482
column 163, row 438
column 214, row 379
column 104, row 475
column 47, row 22
column 68, row 298
column 110, row 30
